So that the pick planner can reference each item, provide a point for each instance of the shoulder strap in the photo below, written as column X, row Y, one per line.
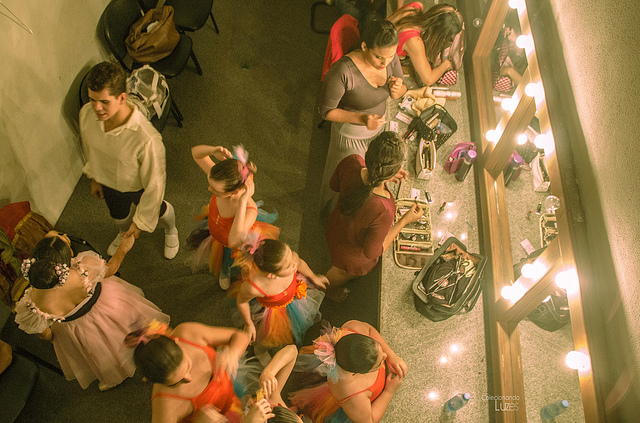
column 256, row 287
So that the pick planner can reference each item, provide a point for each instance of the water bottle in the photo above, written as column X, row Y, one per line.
column 457, row 402
column 513, row 170
column 463, row 170
column 551, row 411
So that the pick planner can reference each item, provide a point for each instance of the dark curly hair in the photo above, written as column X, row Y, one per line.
column 107, row 75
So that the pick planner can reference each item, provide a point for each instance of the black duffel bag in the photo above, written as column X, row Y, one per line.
column 450, row 283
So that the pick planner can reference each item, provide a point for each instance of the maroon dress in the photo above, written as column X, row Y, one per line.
column 355, row 243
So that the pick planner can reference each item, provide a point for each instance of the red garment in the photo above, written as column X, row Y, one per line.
column 355, row 243
column 344, row 34
column 405, row 35
column 375, row 389
column 402, row 38
column 296, row 289
column 219, row 227
column 218, row 393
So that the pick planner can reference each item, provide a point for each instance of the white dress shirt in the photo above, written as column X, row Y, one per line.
column 128, row 158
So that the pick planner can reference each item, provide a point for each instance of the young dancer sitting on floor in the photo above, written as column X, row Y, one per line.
column 231, row 212
column 83, row 309
column 353, row 359
column 277, row 277
column 191, row 369
column 361, row 227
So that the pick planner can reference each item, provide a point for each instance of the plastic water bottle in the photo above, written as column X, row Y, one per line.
column 554, row 410
column 457, row 402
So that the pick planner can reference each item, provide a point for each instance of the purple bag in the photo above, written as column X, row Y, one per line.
column 457, row 155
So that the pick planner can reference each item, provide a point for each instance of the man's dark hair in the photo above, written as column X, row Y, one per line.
column 107, row 75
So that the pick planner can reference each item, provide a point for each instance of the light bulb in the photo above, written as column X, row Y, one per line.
column 516, row 4
column 507, row 292
column 493, row 135
column 525, row 42
column 433, row 395
column 546, row 300
column 463, row 236
column 454, row 348
column 541, row 141
column 522, row 139
column 508, row 104
column 443, row 360
column 527, row 271
column 534, row 89
column 568, row 280
column 576, row 360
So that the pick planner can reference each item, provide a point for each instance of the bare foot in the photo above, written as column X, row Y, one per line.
column 337, row 295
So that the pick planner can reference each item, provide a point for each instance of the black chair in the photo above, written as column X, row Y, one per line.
column 158, row 122
column 115, row 22
column 188, row 15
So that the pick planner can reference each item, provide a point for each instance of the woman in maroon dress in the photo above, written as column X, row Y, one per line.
column 361, row 226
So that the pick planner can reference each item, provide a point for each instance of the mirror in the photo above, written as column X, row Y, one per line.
column 547, row 378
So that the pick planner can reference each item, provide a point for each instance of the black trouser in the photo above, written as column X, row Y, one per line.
column 119, row 203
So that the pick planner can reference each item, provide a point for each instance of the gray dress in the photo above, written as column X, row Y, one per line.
column 346, row 88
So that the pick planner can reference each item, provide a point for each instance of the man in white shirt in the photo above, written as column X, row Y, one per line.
column 125, row 159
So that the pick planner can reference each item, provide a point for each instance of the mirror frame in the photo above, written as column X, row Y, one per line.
column 570, row 249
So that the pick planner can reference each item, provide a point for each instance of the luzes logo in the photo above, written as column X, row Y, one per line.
column 503, row 403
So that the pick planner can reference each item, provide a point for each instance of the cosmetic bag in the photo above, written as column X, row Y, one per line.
column 456, row 156
column 413, row 246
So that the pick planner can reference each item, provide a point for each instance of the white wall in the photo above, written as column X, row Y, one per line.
column 39, row 146
column 601, row 44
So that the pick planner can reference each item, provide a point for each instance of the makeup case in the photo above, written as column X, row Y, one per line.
column 413, row 246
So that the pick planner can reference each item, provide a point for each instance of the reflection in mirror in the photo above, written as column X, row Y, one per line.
column 546, row 340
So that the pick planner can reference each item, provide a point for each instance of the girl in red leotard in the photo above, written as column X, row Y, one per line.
column 277, row 277
column 353, row 358
column 425, row 35
column 232, row 211
column 190, row 368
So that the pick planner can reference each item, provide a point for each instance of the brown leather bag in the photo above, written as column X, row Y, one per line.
column 159, row 42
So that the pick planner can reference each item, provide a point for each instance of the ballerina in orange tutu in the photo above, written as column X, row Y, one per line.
column 231, row 212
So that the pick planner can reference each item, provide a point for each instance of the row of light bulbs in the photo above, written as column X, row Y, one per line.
column 533, row 89
column 567, row 280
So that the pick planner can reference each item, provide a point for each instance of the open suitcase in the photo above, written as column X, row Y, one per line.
column 450, row 282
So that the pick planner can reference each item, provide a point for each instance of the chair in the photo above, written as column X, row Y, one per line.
column 158, row 122
column 188, row 15
column 115, row 22
column 343, row 35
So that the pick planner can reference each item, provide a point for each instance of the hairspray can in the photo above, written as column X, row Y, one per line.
column 463, row 170
column 513, row 170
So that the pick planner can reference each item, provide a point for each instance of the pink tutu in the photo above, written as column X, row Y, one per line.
column 91, row 346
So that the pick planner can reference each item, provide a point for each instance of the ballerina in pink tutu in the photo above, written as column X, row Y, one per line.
column 83, row 309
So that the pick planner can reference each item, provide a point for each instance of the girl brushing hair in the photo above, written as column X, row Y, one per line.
column 231, row 211
column 277, row 277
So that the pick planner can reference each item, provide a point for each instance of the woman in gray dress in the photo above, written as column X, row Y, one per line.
column 354, row 95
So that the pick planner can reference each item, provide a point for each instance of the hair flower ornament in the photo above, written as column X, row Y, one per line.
column 62, row 270
column 26, row 265
column 325, row 351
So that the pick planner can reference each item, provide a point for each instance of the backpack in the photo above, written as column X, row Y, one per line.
column 147, row 89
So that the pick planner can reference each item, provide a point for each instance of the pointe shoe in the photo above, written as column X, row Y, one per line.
column 114, row 245
column 104, row 387
column 171, row 245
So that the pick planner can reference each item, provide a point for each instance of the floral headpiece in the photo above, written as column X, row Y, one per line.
column 326, row 352
column 240, row 154
column 154, row 329
column 26, row 265
column 62, row 270
column 251, row 241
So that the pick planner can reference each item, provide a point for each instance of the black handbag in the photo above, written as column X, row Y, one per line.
column 450, row 283
column 434, row 123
